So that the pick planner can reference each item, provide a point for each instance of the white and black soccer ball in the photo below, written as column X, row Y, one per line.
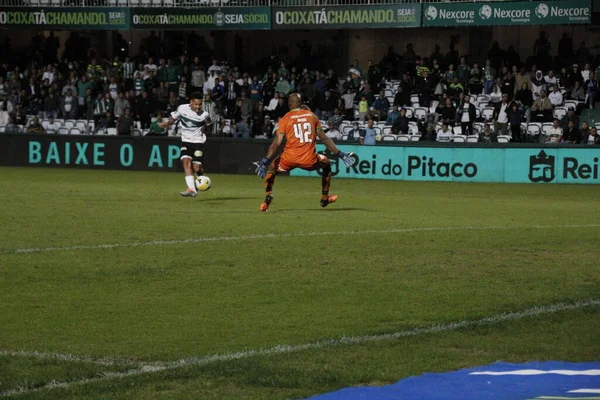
column 203, row 183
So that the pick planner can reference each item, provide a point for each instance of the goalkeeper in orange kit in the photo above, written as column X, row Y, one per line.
column 300, row 128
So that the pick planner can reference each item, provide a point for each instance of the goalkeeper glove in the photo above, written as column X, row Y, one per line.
column 347, row 158
column 261, row 167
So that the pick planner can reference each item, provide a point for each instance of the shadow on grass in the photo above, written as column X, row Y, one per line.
column 328, row 209
column 226, row 198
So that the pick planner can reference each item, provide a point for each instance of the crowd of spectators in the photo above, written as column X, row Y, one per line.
column 433, row 97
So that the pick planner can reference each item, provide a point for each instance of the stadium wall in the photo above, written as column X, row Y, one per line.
column 125, row 153
column 418, row 161
column 463, row 163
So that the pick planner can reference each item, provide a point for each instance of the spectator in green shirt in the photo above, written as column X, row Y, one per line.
column 155, row 129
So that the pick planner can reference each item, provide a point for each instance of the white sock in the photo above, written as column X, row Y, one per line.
column 189, row 180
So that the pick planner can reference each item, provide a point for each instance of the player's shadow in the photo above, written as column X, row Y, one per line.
column 344, row 209
column 227, row 198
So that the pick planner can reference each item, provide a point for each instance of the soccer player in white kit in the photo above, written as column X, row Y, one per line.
column 193, row 123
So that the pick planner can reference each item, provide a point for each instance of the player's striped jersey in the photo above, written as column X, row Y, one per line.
column 300, row 128
column 191, row 123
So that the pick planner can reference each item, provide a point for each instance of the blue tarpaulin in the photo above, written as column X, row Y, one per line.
column 502, row 381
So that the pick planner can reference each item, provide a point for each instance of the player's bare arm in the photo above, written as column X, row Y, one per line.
column 275, row 146
column 167, row 124
column 327, row 142
column 347, row 158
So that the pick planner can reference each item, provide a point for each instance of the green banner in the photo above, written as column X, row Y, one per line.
column 507, row 13
column 232, row 18
column 65, row 17
column 348, row 17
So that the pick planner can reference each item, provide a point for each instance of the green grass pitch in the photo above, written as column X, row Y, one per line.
column 108, row 279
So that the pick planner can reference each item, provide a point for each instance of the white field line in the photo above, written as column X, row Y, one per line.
column 70, row 358
column 289, row 235
column 286, row 349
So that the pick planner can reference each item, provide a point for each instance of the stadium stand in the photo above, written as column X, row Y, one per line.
column 431, row 90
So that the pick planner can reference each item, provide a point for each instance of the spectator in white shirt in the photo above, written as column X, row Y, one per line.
column 273, row 103
column 550, row 79
column 348, row 99
column 49, row 74
column 151, row 66
column 500, row 116
column 585, row 73
column 555, row 133
column 333, row 133
column 198, row 77
column 51, row 126
column 538, row 84
column 556, row 97
column 444, row 134
column 209, row 85
column 214, row 67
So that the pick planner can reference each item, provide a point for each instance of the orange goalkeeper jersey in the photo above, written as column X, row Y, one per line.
column 300, row 128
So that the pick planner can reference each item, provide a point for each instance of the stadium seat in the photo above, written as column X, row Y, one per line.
column 546, row 126
column 387, row 130
column 413, row 128
column 457, row 130
column 75, row 131
column 459, row 139
column 388, row 93
column 344, row 137
column 421, row 113
column 433, row 106
column 63, row 131
column 477, row 113
column 390, row 99
column 70, row 123
column 82, row 125
column 570, row 103
column 559, row 112
column 2, row 129
column 145, row 132
column 403, row 138
column 487, row 113
column 123, row 3
column 478, row 126
column 415, row 138
column 414, row 98
column 503, row 139
column 100, row 132
column 472, row 138
column 409, row 112
column 443, row 139
column 533, row 129
column 388, row 138
column 111, row 131
column 137, row 132
column 483, row 99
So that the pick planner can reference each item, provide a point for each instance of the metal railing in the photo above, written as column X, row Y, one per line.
column 212, row 3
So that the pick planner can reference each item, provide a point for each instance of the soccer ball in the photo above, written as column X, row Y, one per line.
column 203, row 183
